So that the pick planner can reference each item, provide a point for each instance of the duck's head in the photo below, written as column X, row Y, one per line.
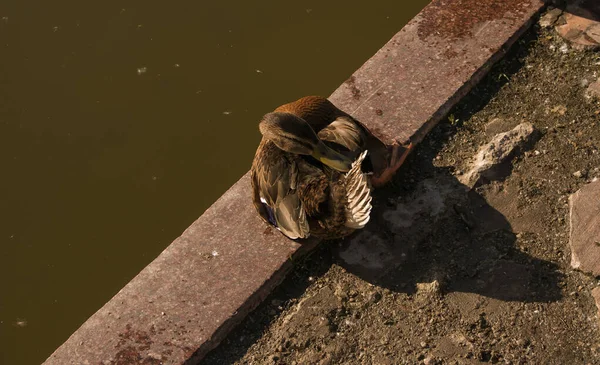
column 292, row 134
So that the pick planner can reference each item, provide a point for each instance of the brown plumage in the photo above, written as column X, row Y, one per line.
column 307, row 175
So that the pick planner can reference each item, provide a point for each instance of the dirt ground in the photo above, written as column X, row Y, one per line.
column 444, row 275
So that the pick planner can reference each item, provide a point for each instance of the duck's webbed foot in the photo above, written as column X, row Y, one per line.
column 399, row 154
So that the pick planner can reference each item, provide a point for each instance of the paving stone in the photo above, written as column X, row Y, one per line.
column 415, row 79
column 585, row 228
column 187, row 300
column 580, row 24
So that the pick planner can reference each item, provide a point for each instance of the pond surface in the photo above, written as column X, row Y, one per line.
column 121, row 122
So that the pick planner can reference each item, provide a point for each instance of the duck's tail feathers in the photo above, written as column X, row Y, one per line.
column 358, row 195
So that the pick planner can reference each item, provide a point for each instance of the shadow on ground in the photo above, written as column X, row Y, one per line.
column 444, row 232
column 429, row 226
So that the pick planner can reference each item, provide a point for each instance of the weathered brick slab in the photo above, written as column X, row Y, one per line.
column 414, row 80
column 186, row 301
column 188, row 298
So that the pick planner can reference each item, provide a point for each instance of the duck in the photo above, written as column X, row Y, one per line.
column 315, row 167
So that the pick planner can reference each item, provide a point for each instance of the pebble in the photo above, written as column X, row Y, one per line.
column 501, row 149
column 428, row 288
column 559, row 109
column 548, row 19
column 375, row 297
column 429, row 360
column 593, row 90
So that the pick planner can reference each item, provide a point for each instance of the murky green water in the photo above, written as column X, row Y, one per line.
column 121, row 122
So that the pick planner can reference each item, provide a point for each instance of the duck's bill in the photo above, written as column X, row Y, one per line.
column 331, row 158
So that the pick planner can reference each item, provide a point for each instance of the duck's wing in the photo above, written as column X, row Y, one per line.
column 358, row 195
column 346, row 133
column 274, row 180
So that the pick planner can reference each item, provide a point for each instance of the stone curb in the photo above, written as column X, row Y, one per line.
column 200, row 287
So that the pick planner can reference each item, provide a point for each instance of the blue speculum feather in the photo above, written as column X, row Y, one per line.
column 271, row 214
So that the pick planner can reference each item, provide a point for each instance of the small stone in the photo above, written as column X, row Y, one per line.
column 593, row 90
column 155, row 356
column 536, row 152
column 578, row 174
column 547, row 20
column 375, row 297
column 428, row 288
column 423, row 344
column 523, row 342
column 559, row 109
column 430, row 360
column 501, row 149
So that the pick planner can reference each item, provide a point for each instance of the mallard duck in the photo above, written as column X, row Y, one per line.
column 311, row 175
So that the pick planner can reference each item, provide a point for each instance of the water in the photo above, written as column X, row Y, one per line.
column 121, row 122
